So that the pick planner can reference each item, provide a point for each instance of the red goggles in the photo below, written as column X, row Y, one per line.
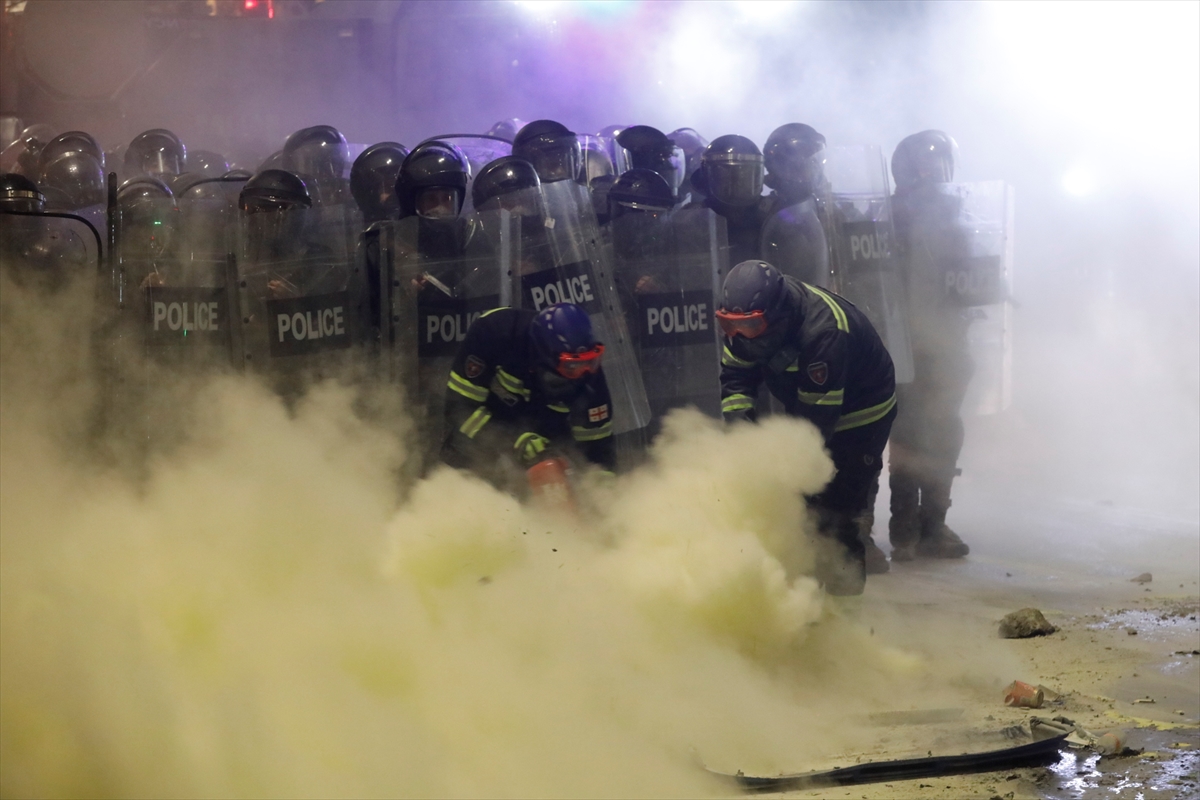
column 573, row 366
column 749, row 325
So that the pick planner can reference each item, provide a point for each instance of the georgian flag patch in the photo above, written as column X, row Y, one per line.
column 818, row 371
column 598, row 414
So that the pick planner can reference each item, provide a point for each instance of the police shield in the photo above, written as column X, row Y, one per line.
column 302, row 296
column 865, row 267
column 667, row 270
column 50, row 250
column 439, row 276
column 185, row 306
column 559, row 258
column 794, row 242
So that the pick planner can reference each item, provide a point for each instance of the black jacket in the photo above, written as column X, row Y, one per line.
column 494, row 395
column 831, row 367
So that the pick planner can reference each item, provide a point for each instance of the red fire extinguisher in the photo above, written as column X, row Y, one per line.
column 550, row 485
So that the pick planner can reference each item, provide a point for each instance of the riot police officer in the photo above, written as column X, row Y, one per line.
column 649, row 148
column 693, row 146
column 823, row 360
column 73, row 180
column 553, row 150
column 373, row 181
column 731, row 178
column 794, row 161
column 156, row 153
column 207, row 163
column 506, row 129
column 524, row 382
column 320, row 156
column 928, row 435
column 147, row 231
column 273, row 201
column 71, row 142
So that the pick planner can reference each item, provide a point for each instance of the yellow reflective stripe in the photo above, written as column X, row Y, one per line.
column 467, row 389
column 582, row 434
column 795, row 367
column 838, row 314
column 475, row 422
column 512, row 383
column 834, row 398
column 856, row 419
column 535, row 441
column 492, row 311
column 559, row 407
column 730, row 360
column 736, row 402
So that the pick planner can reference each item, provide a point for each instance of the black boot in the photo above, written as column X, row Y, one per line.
column 937, row 539
column 842, row 558
column 904, row 526
column 877, row 561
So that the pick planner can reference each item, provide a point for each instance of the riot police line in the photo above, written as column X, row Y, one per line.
column 314, row 259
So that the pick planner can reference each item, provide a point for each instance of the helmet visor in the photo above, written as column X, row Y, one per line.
column 736, row 184
column 556, row 162
column 574, row 366
column 437, row 202
column 749, row 325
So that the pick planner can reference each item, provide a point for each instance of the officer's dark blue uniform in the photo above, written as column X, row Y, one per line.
column 821, row 357
column 524, row 381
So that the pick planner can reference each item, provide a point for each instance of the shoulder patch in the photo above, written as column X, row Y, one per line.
column 818, row 372
column 474, row 367
column 598, row 413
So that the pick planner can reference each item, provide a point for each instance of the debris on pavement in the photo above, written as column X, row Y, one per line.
column 1025, row 623
column 1145, row 577
column 1023, row 695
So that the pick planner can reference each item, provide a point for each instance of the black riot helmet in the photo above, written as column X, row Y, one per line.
column 72, row 142
column 74, row 180
column 506, row 129
column 147, row 212
column 649, row 148
column 274, row 190
column 207, row 163
column 373, row 180
column 433, row 181
column 924, row 158
column 155, row 152
column 794, row 157
column 503, row 177
column 320, row 156
column 611, row 131
column 596, row 162
column 18, row 193
column 756, row 306
column 551, row 148
column 731, row 171
column 640, row 191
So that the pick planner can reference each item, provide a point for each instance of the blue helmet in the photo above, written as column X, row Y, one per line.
column 562, row 338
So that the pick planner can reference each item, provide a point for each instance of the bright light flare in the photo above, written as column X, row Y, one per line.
column 764, row 10
column 1079, row 182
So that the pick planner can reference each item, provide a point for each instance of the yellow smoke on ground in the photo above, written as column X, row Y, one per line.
column 255, row 611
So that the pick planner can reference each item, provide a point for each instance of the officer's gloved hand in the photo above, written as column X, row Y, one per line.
column 530, row 447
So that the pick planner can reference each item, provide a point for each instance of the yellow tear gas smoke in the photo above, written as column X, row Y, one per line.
column 258, row 613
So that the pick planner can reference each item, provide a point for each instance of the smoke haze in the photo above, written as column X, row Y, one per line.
column 264, row 607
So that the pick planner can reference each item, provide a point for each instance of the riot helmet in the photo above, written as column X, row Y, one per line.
column 18, row 193
column 731, row 171
column 274, row 190
column 611, row 131
column 320, row 156
column 794, row 157
column 640, row 191
column 756, row 306
column 432, row 182
column 563, row 344
column 22, row 155
column 373, row 180
column 924, row 158
column 274, row 201
column 155, row 153
column 72, row 142
column 207, row 163
column 596, row 162
column 146, row 208
column 649, row 148
column 551, row 148
column 502, row 183
column 506, row 129
column 74, row 180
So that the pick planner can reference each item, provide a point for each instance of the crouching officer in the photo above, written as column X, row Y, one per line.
column 525, row 382
column 821, row 357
